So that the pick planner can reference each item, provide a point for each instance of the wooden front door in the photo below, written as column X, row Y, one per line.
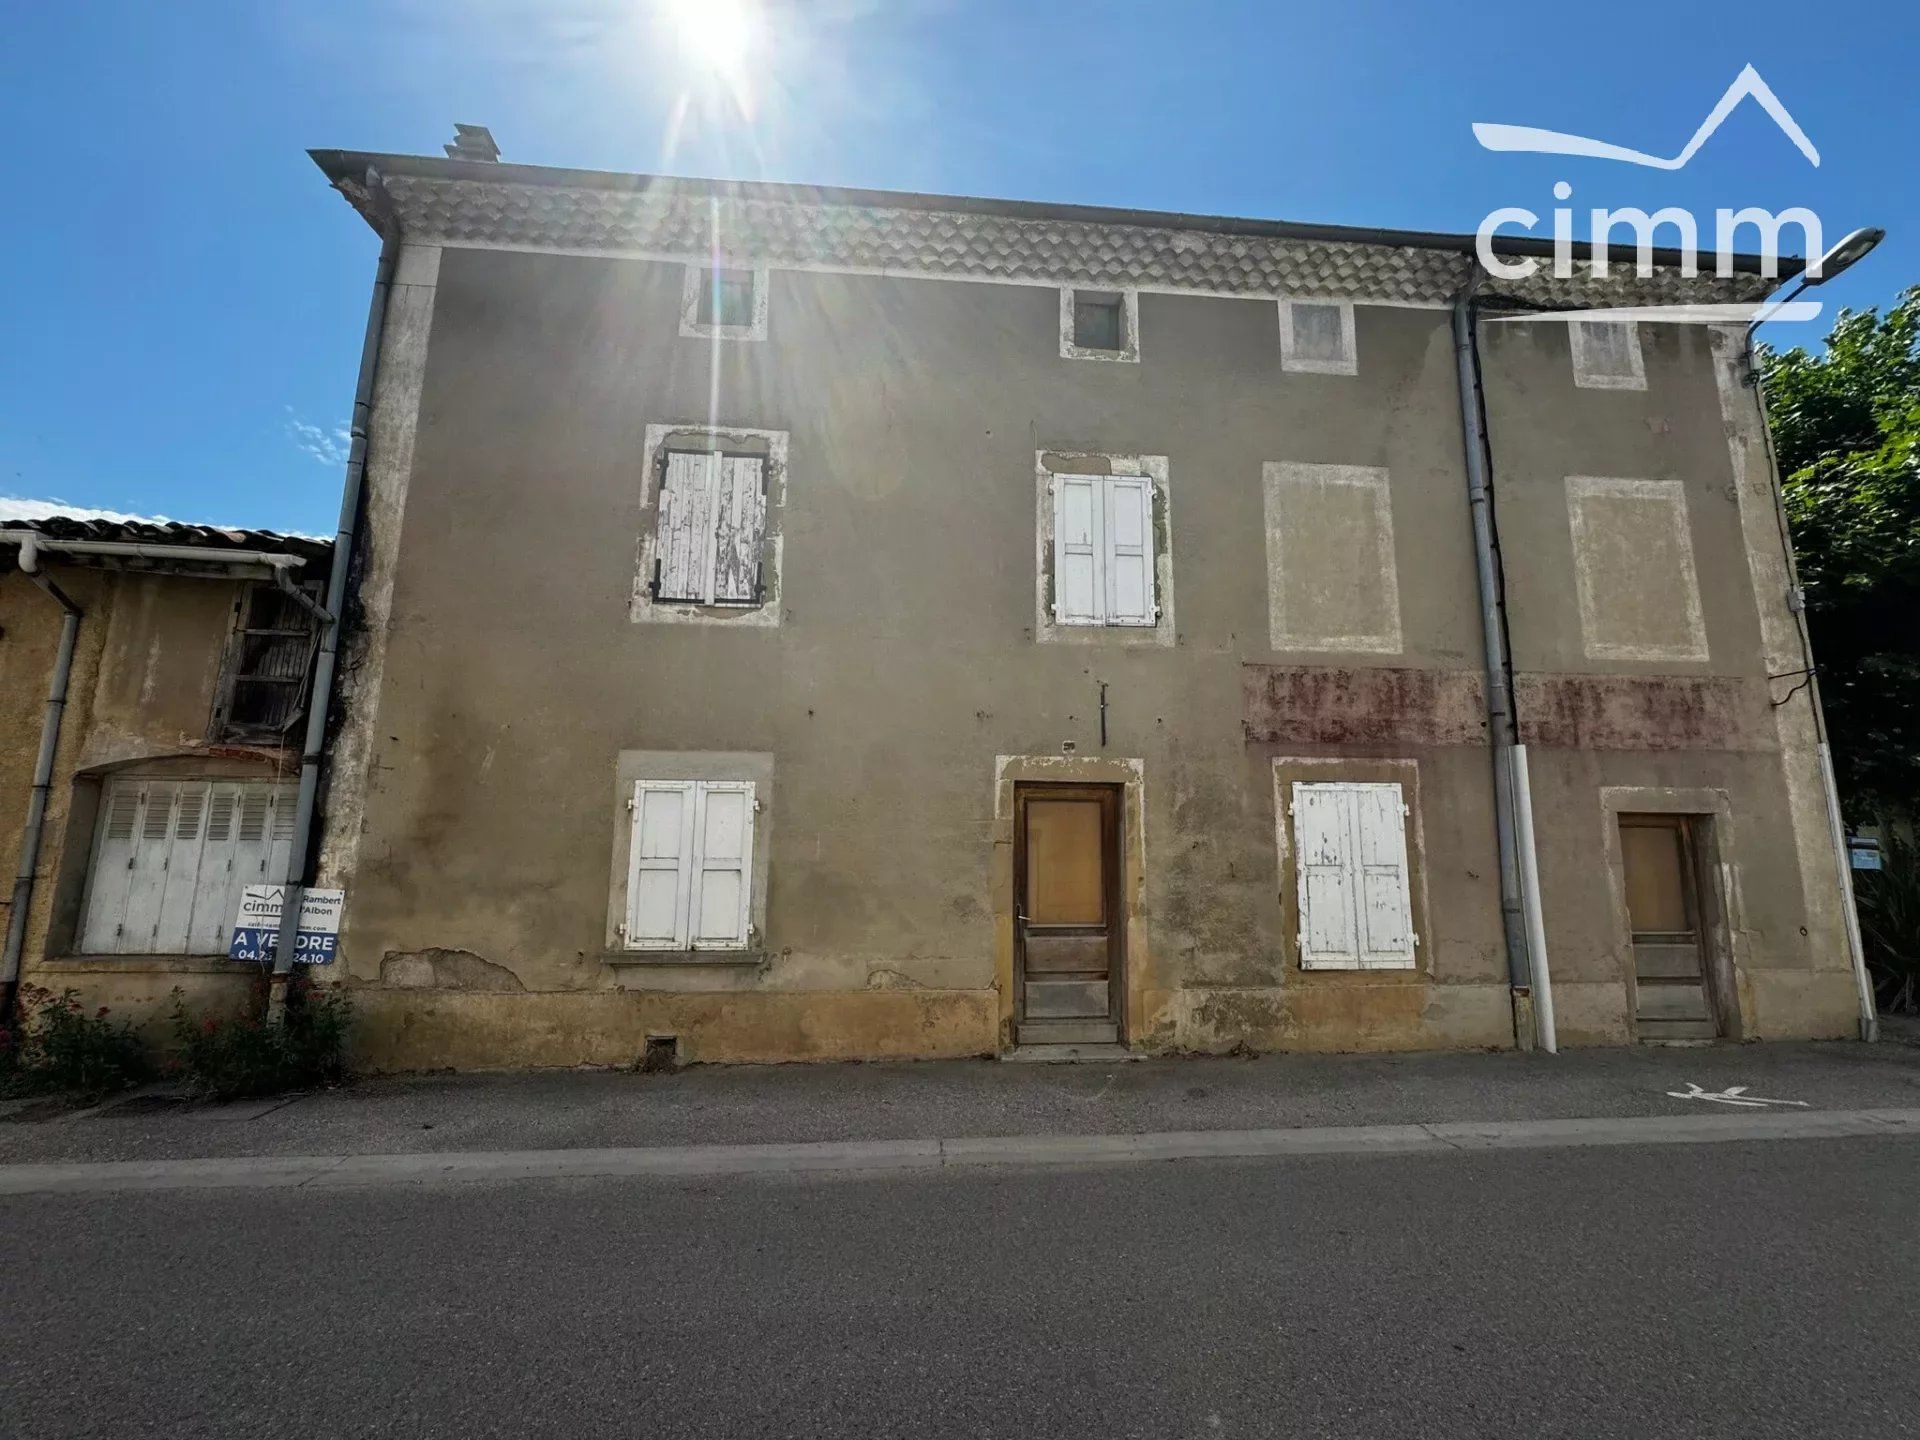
column 1663, row 911
column 1067, row 922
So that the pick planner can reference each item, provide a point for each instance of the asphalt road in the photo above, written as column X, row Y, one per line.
column 1732, row 1289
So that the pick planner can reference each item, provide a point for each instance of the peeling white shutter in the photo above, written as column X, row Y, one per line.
column 1385, row 906
column 739, row 529
column 1323, row 839
column 688, row 502
column 1356, row 910
column 1078, row 582
column 1128, row 551
column 723, row 871
column 659, row 864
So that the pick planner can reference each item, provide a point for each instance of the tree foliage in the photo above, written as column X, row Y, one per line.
column 1846, row 427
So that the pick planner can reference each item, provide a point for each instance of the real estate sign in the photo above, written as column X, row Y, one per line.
column 256, row 930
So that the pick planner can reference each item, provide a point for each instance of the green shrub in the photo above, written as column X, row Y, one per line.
column 59, row 1046
column 1889, row 903
column 232, row 1058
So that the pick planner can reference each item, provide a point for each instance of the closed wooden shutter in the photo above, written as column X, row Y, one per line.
column 739, row 529
column 658, row 870
column 1078, row 584
column 723, row 869
column 688, row 501
column 1128, row 551
column 1354, row 894
column 1385, row 903
column 1323, row 837
column 171, row 857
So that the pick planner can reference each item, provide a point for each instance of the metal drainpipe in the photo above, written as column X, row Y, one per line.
column 322, row 696
column 1501, row 729
column 42, row 779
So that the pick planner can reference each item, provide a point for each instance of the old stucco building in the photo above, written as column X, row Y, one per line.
column 821, row 624
column 171, row 749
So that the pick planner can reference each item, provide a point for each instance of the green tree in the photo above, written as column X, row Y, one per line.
column 1846, row 427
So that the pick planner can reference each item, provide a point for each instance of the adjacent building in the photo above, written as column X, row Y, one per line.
column 154, row 682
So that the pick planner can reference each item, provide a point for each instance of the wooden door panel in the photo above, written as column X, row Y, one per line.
column 1066, row 929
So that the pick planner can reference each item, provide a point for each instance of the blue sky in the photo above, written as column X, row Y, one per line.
column 186, row 295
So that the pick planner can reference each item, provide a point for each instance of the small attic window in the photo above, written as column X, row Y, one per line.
column 724, row 303
column 1316, row 336
column 1099, row 321
column 1099, row 324
column 727, row 299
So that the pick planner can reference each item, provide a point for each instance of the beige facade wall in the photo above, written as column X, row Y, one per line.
column 146, row 672
column 906, row 670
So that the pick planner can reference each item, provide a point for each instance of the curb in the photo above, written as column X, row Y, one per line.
column 674, row 1162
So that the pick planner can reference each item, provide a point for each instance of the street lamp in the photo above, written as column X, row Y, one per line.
column 1850, row 250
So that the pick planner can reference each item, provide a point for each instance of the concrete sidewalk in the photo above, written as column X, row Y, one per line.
column 838, row 1104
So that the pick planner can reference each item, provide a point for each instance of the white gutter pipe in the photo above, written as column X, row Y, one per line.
column 33, row 540
column 1543, row 1023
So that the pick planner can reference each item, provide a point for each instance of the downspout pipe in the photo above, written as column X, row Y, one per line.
column 1502, row 733
column 322, row 695
column 42, row 778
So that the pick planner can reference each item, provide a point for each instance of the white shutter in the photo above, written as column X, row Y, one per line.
column 1079, row 586
column 739, row 527
column 723, row 870
column 171, row 857
column 1356, row 909
column 1128, row 551
column 1323, row 840
column 110, row 882
column 659, row 865
column 1385, row 905
column 688, row 496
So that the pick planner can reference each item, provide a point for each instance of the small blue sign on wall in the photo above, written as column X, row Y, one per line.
column 256, row 930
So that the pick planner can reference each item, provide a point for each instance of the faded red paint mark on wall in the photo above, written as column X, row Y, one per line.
column 1327, row 705
column 1644, row 712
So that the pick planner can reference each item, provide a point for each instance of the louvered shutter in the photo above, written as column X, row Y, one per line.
column 1078, row 584
column 1128, row 551
column 171, row 858
column 659, row 864
column 1323, row 840
column 723, row 867
column 109, row 883
column 688, row 497
column 1384, row 902
column 739, row 528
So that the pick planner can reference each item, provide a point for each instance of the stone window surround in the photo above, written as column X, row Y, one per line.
column 1046, row 630
column 1129, row 352
column 632, row 766
column 643, row 608
column 693, row 328
column 1349, row 361
column 1316, row 769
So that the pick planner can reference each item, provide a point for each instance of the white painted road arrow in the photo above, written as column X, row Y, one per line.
column 1732, row 1095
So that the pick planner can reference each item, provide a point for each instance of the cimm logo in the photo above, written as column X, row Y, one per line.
column 1645, row 228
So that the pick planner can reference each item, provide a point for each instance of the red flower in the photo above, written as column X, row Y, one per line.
column 101, row 1013
column 209, row 1025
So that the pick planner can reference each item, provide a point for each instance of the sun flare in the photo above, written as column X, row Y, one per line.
column 718, row 36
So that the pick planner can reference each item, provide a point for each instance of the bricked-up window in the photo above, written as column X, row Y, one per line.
column 269, row 661
column 1099, row 320
column 727, row 298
